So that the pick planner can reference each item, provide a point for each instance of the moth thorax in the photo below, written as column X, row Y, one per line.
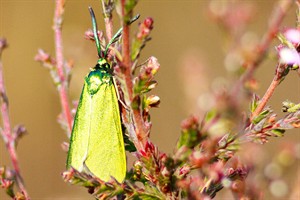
column 94, row 84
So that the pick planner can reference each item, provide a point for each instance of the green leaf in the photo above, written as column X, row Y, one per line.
column 278, row 132
column 188, row 138
column 254, row 103
column 261, row 116
column 210, row 115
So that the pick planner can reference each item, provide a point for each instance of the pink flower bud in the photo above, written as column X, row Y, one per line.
column 153, row 101
column 89, row 35
column 190, row 123
column 148, row 22
column 6, row 183
column 42, row 56
column 184, row 170
column 145, row 28
column 153, row 65
column 68, row 175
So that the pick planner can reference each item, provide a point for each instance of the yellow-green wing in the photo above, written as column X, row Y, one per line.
column 97, row 141
column 106, row 153
column 80, row 133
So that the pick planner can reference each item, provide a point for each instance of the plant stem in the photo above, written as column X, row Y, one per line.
column 275, row 82
column 126, row 66
column 107, row 11
column 276, row 19
column 108, row 28
column 59, row 9
column 7, row 133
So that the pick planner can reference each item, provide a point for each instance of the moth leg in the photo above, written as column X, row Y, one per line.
column 86, row 169
column 119, row 97
column 135, row 66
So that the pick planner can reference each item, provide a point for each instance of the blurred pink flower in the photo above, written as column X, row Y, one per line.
column 289, row 56
column 293, row 35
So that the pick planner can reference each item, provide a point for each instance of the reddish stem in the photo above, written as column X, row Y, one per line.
column 59, row 9
column 107, row 11
column 108, row 28
column 126, row 58
column 126, row 66
column 7, row 133
column 275, row 82
column 278, row 15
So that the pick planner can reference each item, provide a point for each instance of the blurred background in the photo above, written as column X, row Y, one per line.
column 190, row 48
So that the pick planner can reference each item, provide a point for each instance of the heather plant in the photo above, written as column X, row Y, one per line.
column 217, row 151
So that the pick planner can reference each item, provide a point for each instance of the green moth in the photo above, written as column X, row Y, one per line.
column 96, row 144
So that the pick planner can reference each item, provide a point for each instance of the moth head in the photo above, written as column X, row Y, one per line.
column 102, row 61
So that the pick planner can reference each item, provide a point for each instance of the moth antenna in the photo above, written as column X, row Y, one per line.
column 118, row 35
column 95, row 31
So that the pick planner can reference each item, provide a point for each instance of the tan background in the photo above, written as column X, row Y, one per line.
column 180, row 27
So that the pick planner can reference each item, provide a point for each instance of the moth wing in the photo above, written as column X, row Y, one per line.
column 79, row 138
column 106, row 155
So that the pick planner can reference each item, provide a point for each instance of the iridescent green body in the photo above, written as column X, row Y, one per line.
column 96, row 143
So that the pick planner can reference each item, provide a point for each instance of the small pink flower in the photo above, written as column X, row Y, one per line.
column 5, row 183
column 289, row 56
column 292, row 35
